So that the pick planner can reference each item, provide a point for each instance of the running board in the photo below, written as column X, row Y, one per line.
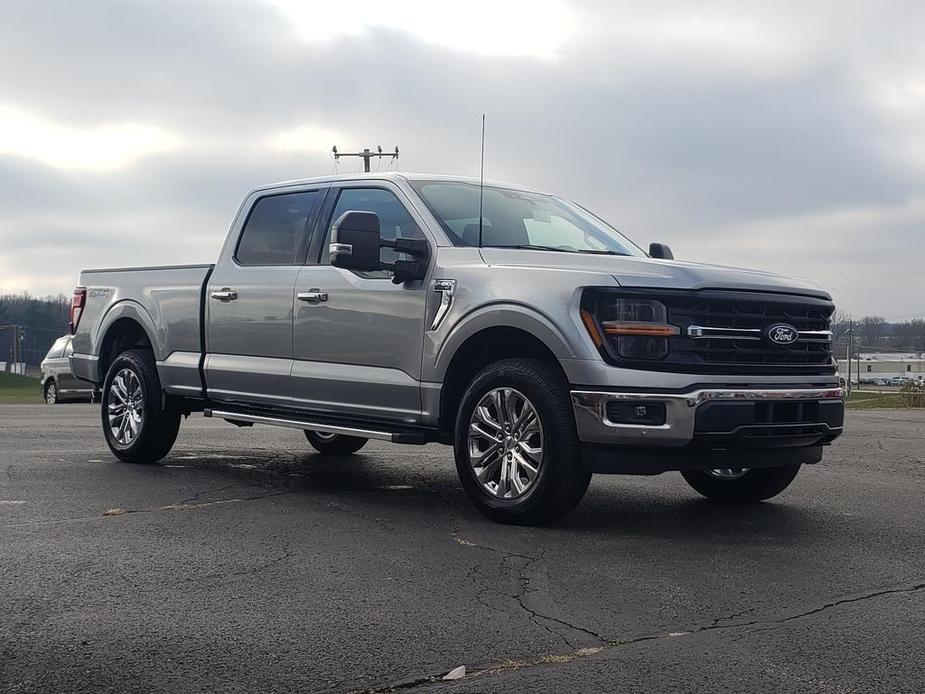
column 235, row 417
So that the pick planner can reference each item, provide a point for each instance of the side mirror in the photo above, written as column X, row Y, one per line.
column 660, row 250
column 355, row 240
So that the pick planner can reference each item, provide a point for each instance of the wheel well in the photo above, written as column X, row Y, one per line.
column 123, row 334
column 477, row 352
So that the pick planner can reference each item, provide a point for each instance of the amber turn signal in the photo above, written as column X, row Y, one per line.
column 640, row 329
column 591, row 327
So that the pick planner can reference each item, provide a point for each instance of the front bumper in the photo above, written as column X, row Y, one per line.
column 708, row 428
column 757, row 418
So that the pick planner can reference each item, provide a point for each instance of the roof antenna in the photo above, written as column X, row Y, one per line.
column 481, row 179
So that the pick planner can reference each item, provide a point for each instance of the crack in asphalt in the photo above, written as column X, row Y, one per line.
column 610, row 645
column 536, row 615
column 524, row 580
column 183, row 505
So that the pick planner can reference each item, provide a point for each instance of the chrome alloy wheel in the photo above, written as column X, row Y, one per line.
column 125, row 406
column 726, row 473
column 505, row 443
column 51, row 394
column 324, row 436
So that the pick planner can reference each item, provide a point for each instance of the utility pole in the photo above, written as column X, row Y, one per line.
column 858, row 357
column 366, row 155
column 848, row 355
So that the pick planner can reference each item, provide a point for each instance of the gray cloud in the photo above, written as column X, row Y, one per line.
column 780, row 137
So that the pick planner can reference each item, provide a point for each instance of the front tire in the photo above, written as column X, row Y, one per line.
column 741, row 485
column 139, row 423
column 335, row 444
column 517, row 451
column 51, row 393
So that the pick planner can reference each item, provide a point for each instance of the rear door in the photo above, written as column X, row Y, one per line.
column 66, row 379
column 358, row 338
column 249, row 337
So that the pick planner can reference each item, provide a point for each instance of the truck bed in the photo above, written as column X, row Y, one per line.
column 167, row 301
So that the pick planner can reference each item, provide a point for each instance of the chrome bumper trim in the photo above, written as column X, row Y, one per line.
column 590, row 409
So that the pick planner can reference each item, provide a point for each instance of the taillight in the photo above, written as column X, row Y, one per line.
column 78, row 301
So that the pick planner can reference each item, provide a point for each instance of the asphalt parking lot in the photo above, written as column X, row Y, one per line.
column 246, row 563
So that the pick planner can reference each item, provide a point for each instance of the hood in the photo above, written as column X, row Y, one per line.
column 631, row 271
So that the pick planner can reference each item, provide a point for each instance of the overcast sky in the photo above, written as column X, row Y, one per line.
column 787, row 136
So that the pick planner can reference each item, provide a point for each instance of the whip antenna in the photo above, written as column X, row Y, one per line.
column 481, row 179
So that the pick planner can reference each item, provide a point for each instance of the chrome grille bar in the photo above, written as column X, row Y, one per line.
column 703, row 332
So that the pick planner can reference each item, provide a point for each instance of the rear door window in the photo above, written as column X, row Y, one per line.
column 277, row 229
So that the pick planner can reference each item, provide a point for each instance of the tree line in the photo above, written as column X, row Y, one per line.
column 875, row 333
column 35, row 322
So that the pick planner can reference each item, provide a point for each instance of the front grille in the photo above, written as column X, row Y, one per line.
column 750, row 312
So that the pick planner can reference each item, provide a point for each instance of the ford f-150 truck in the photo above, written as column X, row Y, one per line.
column 512, row 324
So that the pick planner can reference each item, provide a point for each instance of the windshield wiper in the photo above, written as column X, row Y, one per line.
column 604, row 251
column 531, row 247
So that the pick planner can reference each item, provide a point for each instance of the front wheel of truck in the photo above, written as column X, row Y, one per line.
column 741, row 485
column 517, row 452
column 140, row 425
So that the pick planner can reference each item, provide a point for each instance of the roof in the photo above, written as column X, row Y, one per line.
column 397, row 176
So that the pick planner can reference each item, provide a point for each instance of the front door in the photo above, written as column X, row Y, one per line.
column 250, row 300
column 357, row 337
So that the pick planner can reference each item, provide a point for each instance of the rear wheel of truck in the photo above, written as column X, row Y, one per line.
column 739, row 485
column 140, row 425
column 335, row 444
column 517, row 451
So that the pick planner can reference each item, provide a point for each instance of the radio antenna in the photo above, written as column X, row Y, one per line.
column 481, row 179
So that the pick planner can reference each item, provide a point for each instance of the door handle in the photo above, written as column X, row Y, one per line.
column 225, row 294
column 312, row 296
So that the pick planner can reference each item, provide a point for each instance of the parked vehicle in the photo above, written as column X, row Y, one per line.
column 541, row 343
column 58, row 383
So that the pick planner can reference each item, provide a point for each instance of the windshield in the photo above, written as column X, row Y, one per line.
column 518, row 219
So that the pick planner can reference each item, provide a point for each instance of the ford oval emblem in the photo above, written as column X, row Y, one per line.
column 782, row 334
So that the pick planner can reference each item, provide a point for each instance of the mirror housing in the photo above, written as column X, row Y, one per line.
column 660, row 250
column 356, row 239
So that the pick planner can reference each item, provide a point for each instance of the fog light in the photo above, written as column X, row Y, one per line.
column 629, row 412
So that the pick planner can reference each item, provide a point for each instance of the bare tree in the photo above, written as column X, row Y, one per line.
column 871, row 331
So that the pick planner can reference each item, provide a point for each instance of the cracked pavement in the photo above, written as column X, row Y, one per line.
column 244, row 562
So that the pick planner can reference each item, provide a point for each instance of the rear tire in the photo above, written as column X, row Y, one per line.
column 139, row 423
column 537, row 475
column 335, row 444
column 51, row 393
column 752, row 485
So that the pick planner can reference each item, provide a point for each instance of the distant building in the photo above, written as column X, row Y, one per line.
column 884, row 366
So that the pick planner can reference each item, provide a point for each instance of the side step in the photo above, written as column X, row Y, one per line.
column 412, row 437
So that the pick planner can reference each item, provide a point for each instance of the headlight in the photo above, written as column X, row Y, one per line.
column 631, row 328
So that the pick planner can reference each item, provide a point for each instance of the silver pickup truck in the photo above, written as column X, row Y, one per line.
column 516, row 326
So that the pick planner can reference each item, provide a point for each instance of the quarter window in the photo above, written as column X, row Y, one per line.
column 57, row 349
column 276, row 229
